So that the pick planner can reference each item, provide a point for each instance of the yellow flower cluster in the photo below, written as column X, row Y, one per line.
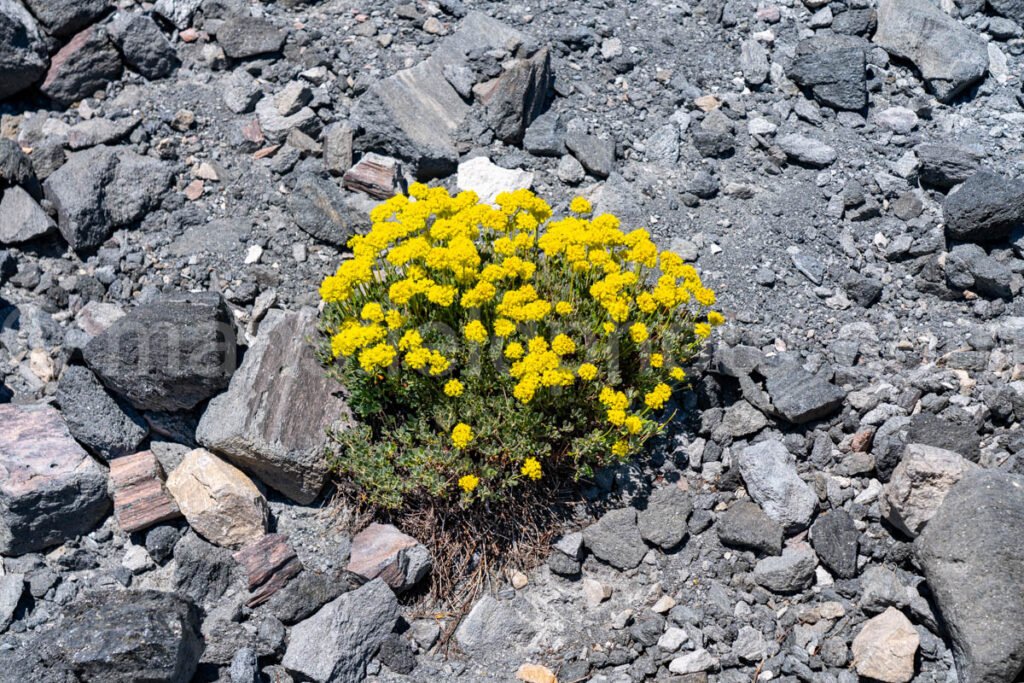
column 553, row 300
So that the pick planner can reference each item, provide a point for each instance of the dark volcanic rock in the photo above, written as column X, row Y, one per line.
column 64, row 17
column 202, row 571
column 86, row 64
column 243, row 37
column 52, row 490
column 836, row 78
column 798, row 396
column 321, row 209
column 115, row 637
column 169, row 354
column 973, row 561
column 663, row 521
column 517, row 97
column 145, row 47
column 834, row 538
column 932, row 430
column 77, row 190
column 986, row 208
column 104, row 424
column 944, row 166
column 596, row 153
column 745, row 525
column 23, row 55
column 616, row 539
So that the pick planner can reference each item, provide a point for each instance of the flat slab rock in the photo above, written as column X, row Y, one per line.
column 140, row 497
column 382, row 551
column 51, row 490
column 274, row 418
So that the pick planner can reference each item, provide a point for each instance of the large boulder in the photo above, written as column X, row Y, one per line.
column 986, row 208
column 114, row 637
column 950, row 56
column 274, row 418
column 63, row 18
column 87, row 63
column 337, row 643
column 973, row 561
column 769, row 472
column 170, row 354
column 51, row 490
column 919, row 484
column 107, row 426
column 23, row 54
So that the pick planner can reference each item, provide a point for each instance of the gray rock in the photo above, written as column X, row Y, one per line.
column 92, row 132
column 932, row 430
column 202, row 571
column 754, row 62
column 949, row 56
column 663, row 521
column 308, row 592
column 23, row 53
column 106, row 426
column 769, row 471
column 806, row 151
column 790, row 572
column 178, row 12
column 160, row 542
column 274, row 418
column 138, row 185
column 244, row 667
column 545, row 137
column 11, row 588
column 741, row 419
column 834, row 538
column 77, row 190
column 397, row 654
column 322, row 210
column 145, row 48
column 986, row 208
column 919, row 484
column 242, row 37
column 750, row 645
column 616, row 539
column 64, row 17
column 745, row 525
column 336, row 643
column 21, row 218
column 495, row 623
column 881, row 589
column 338, row 148
column 15, row 166
column 518, row 96
column 52, row 490
column 836, row 77
column 944, row 165
column 241, row 92
column 798, row 396
column 974, row 564
column 1011, row 9
column 87, row 63
column 594, row 152
column 170, row 354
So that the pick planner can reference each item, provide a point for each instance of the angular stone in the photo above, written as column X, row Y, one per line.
column 270, row 564
column 320, row 209
column 518, row 96
column 145, row 48
column 76, row 190
column 23, row 54
column 594, row 152
column 219, row 501
column 140, row 497
column 202, row 571
column 835, row 538
column 919, row 484
column 11, row 588
column 489, row 180
column 545, row 137
column 108, row 427
column 92, row 132
column 741, row 419
column 86, row 64
column 382, row 551
column 338, row 642
column 695, row 662
column 884, row 649
column 806, row 151
column 338, row 148
column 769, row 472
column 50, row 489
column 973, row 561
column 790, row 572
column 375, row 175
column 495, row 623
column 949, row 56
column 944, row 166
column 116, row 637
column 139, row 184
column 1011, row 9
column 310, row 591
column 21, row 218
column 178, row 12
column 663, row 521
column 274, row 418
column 986, row 208
column 169, row 354
column 836, row 77
column 745, row 525
column 754, row 62
column 616, row 539
column 798, row 396
column 62, row 18
column 276, row 127
column 242, row 37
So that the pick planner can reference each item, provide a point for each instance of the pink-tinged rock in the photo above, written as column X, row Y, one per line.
column 270, row 563
column 86, row 64
column 51, row 490
column 885, row 648
column 382, row 551
column 140, row 497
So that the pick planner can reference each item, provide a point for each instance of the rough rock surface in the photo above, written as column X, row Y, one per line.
column 884, row 649
column 107, row 426
column 769, row 471
column 23, row 55
column 382, row 551
column 919, row 484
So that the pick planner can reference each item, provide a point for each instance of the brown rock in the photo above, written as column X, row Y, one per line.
column 535, row 673
column 374, row 175
column 51, row 490
column 884, row 649
column 270, row 564
column 861, row 441
column 219, row 501
column 381, row 550
column 140, row 498
column 86, row 64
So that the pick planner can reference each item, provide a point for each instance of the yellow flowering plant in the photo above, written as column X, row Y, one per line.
column 492, row 347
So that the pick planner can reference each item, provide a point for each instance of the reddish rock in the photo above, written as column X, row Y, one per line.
column 51, row 490
column 270, row 564
column 382, row 551
column 374, row 175
column 140, row 497
column 86, row 64
column 861, row 442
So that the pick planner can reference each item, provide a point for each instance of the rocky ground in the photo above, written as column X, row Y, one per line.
column 843, row 496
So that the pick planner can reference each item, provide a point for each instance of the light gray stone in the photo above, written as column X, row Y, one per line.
column 919, row 484
column 769, row 472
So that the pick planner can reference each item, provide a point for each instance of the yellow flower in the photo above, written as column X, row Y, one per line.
column 616, row 417
column 453, row 388
column 462, row 435
column 587, row 372
column 715, row 318
column 410, row 340
column 656, row 399
column 563, row 308
column 677, row 374
column 438, row 363
column 657, row 360
column 475, row 331
column 638, row 332
column 503, row 327
column 702, row 330
column 393, row 319
column 563, row 345
column 580, row 205
column 608, row 328
column 468, row 482
column 372, row 312
column 376, row 357
column 531, row 468
column 620, row 448
column 634, row 424
column 514, row 351
column 646, row 303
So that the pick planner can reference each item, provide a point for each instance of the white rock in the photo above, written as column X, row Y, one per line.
column 672, row 639
column 253, row 254
column 489, row 180
column 884, row 649
column 693, row 662
column 897, row 119
column 136, row 559
column 595, row 592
